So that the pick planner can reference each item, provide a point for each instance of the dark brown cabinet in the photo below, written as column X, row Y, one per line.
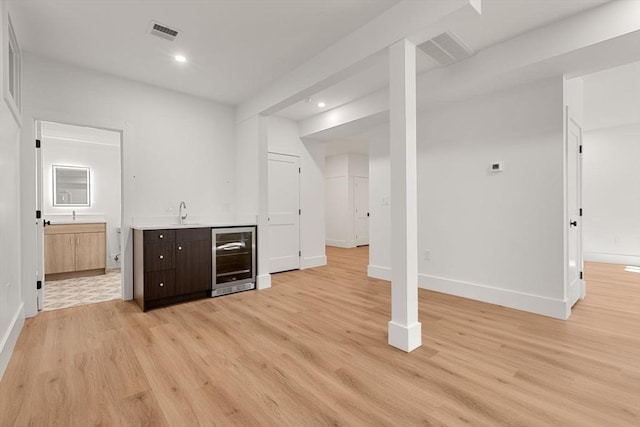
column 193, row 260
column 171, row 266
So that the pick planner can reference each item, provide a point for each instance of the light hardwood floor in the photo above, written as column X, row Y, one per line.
column 312, row 351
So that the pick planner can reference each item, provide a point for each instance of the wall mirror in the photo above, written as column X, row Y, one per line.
column 71, row 186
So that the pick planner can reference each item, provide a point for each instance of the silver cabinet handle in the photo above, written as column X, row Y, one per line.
column 179, row 248
column 161, row 285
column 162, row 236
column 161, row 256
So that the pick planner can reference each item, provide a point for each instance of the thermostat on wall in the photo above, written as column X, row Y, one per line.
column 497, row 167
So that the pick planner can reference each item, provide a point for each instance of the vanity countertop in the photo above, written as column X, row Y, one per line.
column 203, row 225
column 76, row 221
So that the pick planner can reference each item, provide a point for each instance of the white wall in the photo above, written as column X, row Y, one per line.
column 103, row 160
column 611, row 166
column 11, row 301
column 336, row 201
column 612, row 97
column 340, row 169
column 379, row 203
column 493, row 237
column 175, row 147
column 611, row 196
column 282, row 137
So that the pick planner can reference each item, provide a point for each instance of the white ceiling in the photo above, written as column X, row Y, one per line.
column 237, row 47
column 358, row 144
column 500, row 20
column 234, row 47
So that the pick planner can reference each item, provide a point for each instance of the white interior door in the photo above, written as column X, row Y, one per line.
column 576, row 287
column 284, row 212
column 361, row 210
column 39, row 221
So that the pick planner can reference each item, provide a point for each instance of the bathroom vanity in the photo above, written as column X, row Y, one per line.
column 75, row 250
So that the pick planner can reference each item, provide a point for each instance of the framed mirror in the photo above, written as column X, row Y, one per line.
column 71, row 186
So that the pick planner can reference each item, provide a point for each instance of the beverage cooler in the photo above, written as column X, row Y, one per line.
column 234, row 260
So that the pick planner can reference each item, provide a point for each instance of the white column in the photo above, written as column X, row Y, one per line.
column 264, row 278
column 404, row 328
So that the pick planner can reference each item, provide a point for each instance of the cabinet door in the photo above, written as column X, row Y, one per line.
column 159, row 284
column 90, row 251
column 193, row 266
column 159, row 256
column 60, row 253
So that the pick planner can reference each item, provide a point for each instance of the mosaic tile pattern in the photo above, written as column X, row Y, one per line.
column 82, row 290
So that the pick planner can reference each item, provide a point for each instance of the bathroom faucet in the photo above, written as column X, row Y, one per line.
column 183, row 207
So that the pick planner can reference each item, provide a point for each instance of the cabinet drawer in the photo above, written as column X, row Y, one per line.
column 159, row 256
column 159, row 236
column 193, row 234
column 159, row 284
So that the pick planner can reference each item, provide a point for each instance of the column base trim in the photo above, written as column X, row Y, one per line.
column 263, row 282
column 405, row 338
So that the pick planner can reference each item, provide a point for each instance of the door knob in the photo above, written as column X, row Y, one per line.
column 573, row 223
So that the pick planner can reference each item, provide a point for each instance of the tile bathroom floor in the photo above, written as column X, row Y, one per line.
column 82, row 290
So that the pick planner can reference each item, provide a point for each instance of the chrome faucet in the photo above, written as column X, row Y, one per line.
column 183, row 207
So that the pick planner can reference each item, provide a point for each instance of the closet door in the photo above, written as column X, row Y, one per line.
column 284, row 212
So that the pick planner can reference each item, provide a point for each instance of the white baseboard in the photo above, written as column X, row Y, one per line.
column 10, row 338
column 377, row 272
column 313, row 261
column 519, row 300
column 612, row 258
column 263, row 281
column 347, row 244
column 556, row 308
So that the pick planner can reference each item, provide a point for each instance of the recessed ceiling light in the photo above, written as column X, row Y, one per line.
column 180, row 58
column 321, row 104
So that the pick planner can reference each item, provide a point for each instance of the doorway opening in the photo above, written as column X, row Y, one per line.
column 611, row 176
column 79, row 197
column 347, row 210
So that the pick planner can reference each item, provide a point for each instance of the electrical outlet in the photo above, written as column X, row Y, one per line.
column 385, row 201
column 427, row 255
column 169, row 207
column 7, row 285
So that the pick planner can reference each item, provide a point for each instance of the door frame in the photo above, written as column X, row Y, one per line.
column 39, row 173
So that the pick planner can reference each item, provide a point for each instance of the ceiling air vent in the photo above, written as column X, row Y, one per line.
column 163, row 31
column 446, row 48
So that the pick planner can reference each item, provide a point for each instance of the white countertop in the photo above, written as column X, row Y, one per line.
column 77, row 221
column 80, row 219
column 203, row 225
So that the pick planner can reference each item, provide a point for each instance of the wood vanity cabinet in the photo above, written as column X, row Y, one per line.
column 171, row 265
column 75, row 250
